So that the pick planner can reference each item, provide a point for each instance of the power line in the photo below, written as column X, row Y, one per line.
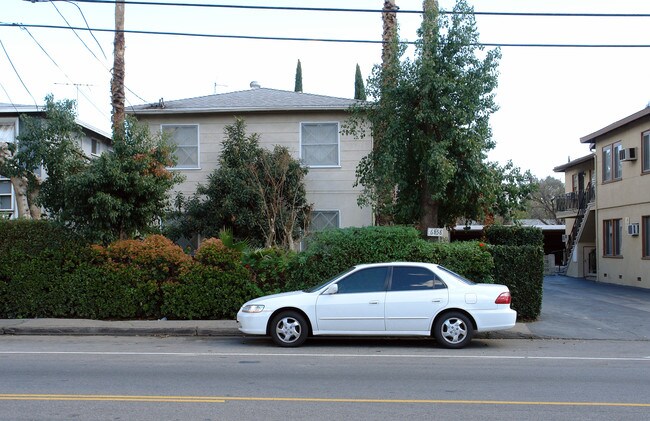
column 8, row 97
column 87, row 26
column 17, row 74
column 328, row 9
column 305, row 39
column 64, row 73
column 75, row 32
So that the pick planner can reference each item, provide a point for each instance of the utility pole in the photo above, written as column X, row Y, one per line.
column 117, row 82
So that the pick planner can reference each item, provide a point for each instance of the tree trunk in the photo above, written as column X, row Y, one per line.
column 428, row 210
column 117, row 82
column 20, row 190
column 34, row 210
column 389, row 19
column 389, row 58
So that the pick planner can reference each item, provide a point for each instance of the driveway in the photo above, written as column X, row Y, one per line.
column 575, row 308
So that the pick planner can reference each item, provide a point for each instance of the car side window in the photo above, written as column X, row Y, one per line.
column 365, row 280
column 406, row 278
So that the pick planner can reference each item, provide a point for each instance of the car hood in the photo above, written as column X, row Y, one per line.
column 274, row 297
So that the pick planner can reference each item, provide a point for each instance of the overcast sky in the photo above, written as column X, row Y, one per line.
column 549, row 97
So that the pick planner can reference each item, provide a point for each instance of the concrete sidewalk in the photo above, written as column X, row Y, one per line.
column 572, row 308
column 119, row 328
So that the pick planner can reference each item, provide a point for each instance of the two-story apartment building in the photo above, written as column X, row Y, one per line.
column 93, row 142
column 578, row 209
column 617, row 223
column 310, row 126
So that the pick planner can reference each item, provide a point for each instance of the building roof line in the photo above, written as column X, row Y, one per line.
column 591, row 138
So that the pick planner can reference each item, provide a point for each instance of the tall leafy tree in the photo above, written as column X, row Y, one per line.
column 432, row 122
column 257, row 193
column 359, row 88
column 542, row 201
column 50, row 143
column 124, row 192
column 298, row 84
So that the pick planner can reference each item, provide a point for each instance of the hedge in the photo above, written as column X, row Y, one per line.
column 501, row 235
column 46, row 271
column 333, row 251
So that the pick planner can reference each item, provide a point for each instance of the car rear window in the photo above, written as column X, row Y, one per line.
column 412, row 278
column 457, row 276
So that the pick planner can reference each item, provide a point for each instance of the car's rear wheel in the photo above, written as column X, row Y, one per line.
column 289, row 328
column 453, row 330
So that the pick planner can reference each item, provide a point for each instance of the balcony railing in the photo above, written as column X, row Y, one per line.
column 575, row 201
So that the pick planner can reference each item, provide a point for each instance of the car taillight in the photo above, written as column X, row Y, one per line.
column 503, row 298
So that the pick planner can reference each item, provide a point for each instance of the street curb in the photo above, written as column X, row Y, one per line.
column 113, row 331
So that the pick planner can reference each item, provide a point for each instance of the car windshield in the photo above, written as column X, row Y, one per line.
column 460, row 278
column 322, row 284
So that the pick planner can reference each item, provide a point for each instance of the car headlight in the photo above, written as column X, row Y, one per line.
column 252, row 308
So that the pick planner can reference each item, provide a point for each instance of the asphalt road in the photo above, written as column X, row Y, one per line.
column 227, row 378
column 574, row 308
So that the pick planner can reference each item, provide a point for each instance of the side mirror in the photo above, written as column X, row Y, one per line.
column 332, row 289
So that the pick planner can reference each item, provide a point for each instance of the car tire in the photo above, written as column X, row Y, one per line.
column 289, row 329
column 453, row 330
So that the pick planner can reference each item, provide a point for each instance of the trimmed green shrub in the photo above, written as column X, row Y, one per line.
column 472, row 259
column 331, row 252
column 521, row 269
column 212, row 252
column 518, row 254
column 208, row 292
column 269, row 268
column 101, row 292
column 35, row 256
column 157, row 257
column 500, row 235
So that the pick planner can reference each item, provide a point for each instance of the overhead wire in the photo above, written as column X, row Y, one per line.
column 333, row 9
column 8, row 97
column 75, row 32
column 303, row 39
column 62, row 71
column 88, row 26
column 331, row 40
column 17, row 73
column 74, row 29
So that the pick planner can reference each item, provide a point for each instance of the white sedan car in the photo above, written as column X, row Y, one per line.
column 383, row 299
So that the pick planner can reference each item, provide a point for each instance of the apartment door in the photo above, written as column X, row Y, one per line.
column 589, row 260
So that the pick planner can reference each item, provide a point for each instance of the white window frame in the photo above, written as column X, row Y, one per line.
column 94, row 144
column 12, row 195
column 338, row 217
column 338, row 144
column 198, row 145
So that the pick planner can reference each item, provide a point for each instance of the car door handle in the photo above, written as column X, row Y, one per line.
column 436, row 301
column 374, row 302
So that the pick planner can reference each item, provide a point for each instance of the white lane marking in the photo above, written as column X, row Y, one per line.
column 293, row 355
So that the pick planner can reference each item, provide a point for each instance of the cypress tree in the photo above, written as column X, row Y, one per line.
column 298, row 85
column 359, row 89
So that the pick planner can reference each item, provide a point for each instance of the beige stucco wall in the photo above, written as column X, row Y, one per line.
column 627, row 199
column 327, row 188
column 586, row 167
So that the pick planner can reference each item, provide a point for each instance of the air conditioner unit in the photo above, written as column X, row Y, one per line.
column 628, row 154
column 633, row 229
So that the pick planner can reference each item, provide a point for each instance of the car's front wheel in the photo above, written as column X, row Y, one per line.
column 289, row 328
column 453, row 330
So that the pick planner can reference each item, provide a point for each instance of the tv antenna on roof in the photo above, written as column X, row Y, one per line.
column 76, row 85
